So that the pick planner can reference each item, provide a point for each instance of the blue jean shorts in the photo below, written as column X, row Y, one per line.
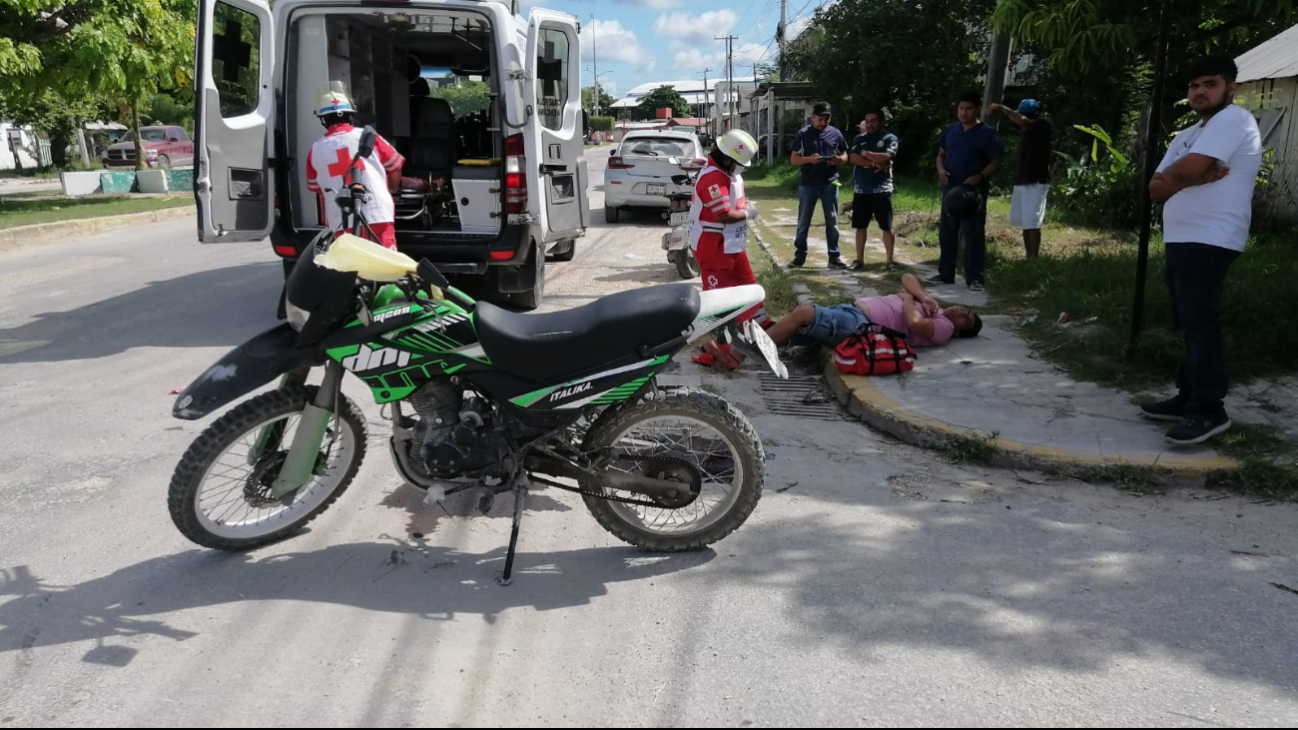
column 834, row 324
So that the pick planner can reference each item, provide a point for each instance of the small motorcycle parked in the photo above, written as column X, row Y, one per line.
column 676, row 242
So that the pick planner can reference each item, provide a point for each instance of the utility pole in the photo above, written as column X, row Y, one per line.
column 779, row 34
column 997, row 63
column 594, row 58
column 704, row 111
column 730, row 79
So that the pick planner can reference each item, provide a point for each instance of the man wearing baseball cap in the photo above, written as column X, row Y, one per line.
column 1028, row 206
column 818, row 149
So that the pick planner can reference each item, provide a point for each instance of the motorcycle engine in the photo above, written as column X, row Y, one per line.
column 460, row 436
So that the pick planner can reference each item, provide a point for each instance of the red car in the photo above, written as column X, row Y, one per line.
column 164, row 147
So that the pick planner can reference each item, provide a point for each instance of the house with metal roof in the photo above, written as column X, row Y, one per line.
column 1268, row 82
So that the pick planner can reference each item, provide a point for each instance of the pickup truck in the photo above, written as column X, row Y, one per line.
column 164, row 147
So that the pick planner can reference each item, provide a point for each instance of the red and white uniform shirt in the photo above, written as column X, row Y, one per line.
column 717, row 192
column 328, row 161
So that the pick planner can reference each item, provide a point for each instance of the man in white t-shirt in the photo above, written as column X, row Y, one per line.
column 1206, row 184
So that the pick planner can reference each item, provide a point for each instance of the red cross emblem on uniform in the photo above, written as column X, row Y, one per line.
column 339, row 167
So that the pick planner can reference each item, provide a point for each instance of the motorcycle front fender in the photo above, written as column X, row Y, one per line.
column 244, row 369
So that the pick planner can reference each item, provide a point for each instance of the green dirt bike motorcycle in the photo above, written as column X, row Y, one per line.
column 479, row 398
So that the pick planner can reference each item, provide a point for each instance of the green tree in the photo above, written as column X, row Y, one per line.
column 1077, row 36
column 661, row 98
column 172, row 108
column 1095, row 58
column 910, row 59
column 588, row 99
column 466, row 97
column 602, row 124
column 123, row 50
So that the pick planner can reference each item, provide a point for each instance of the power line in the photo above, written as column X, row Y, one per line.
column 754, row 28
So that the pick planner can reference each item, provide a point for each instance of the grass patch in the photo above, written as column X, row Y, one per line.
column 16, row 211
column 971, row 449
column 31, row 194
column 1130, row 477
column 33, row 172
column 781, row 297
column 1246, row 441
column 1260, row 478
column 1097, row 280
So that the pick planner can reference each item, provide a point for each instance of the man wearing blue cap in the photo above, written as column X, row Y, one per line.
column 1028, row 206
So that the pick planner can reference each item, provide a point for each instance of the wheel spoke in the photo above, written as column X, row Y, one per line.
column 233, row 499
column 699, row 449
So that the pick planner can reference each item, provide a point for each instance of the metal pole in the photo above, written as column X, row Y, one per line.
column 594, row 59
column 1152, row 138
column 771, row 139
column 703, row 113
column 730, row 79
column 779, row 35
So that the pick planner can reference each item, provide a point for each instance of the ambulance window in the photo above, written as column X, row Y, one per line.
column 235, row 39
column 552, row 77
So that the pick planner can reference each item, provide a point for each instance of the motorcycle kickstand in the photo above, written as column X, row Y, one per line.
column 521, row 486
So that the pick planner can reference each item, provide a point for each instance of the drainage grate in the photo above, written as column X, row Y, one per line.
column 800, row 396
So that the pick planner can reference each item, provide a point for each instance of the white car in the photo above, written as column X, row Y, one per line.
column 640, row 171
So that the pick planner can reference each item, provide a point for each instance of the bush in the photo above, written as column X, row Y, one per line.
column 1099, row 188
column 601, row 124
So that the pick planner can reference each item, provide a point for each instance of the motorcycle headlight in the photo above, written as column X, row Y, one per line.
column 297, row 316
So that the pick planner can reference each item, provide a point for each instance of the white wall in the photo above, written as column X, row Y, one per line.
column 25, row 152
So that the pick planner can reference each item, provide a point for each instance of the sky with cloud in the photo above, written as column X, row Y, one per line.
column 642, row 41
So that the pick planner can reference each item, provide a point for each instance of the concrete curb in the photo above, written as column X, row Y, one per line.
column 871, row 405
column 14, row 237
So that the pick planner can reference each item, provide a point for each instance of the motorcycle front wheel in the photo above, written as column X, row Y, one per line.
column 220, row 495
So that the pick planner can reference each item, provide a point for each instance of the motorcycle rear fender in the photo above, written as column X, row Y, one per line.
column 720, row 306
column 244, row 369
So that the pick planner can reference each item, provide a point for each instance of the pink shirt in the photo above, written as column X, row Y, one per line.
column 888, row 312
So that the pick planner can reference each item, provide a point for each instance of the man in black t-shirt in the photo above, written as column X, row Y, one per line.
column 1028, row 206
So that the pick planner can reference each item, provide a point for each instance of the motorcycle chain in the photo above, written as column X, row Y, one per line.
column 601, row 494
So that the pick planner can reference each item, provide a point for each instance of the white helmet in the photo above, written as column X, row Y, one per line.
column 334, row 102
column 739, row 146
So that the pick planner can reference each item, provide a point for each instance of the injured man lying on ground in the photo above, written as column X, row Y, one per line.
column 912, row 313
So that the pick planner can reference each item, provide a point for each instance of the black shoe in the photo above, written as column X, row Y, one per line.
column 857, row 266
column 890, row 266
column 937, row 279
column 1197, row 429
column 837, row 263
column 1172, row 409
column 796, row 264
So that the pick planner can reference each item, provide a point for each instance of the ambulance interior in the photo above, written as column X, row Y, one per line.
column 452, row 181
